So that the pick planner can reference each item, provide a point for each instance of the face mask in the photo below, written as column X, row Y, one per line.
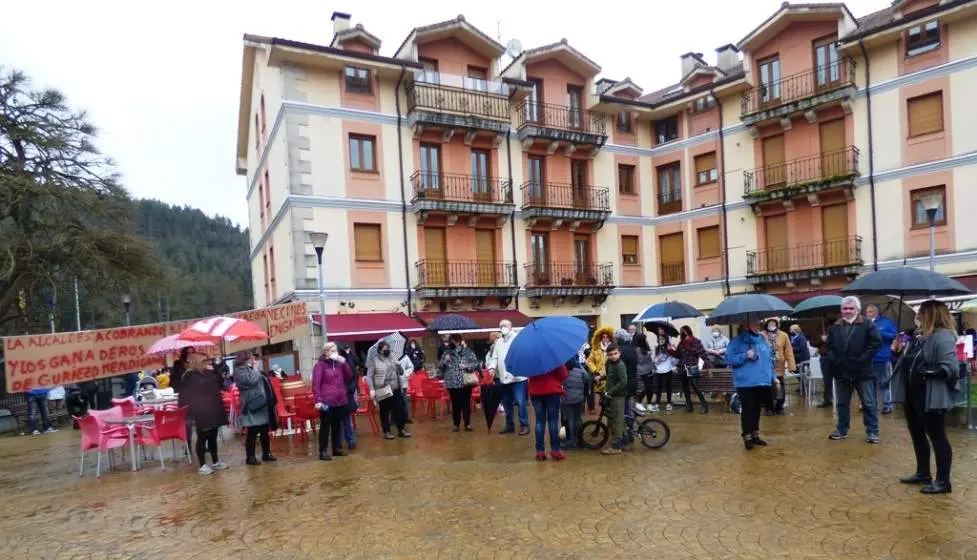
column 604, row 345
column 452, row 345
column 771, row 328
column 715, row 334
column 334, row 356
column 919, row 323
column 385, row 352
column 506, row 331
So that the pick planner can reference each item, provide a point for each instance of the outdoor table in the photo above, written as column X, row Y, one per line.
column 160, row 402
column 130, row 423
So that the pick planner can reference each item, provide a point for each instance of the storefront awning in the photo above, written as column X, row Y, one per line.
column 356, row 327
column 487, row 321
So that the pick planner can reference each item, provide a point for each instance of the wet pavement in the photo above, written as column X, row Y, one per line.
column 472, row 495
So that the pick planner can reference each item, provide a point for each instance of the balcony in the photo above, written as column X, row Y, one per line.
column 448, row 101
column 455, row 194
column 455, row 279
column 803, row 177
column 800, row 93
column 672, row 274
column 568, row 279
column 560, row 125
column 836, row 257
column 561, row 202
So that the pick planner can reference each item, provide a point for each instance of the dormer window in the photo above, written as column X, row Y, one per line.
column 923, row 38
column 624, row 121
column 703, row 104
column 358, row 80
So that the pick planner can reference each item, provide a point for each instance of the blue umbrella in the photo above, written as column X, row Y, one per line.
column 748, row 308
column 670, row 309
column 545, row 344
column 451, row 323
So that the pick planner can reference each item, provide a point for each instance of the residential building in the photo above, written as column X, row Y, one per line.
column 452, row 178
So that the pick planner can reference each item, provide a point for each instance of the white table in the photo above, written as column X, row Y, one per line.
column 130, row 423
column 160, row 402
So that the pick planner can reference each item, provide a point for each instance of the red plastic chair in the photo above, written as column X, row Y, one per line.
column 366, row 407
column 305, row 411
column 169, row 425
column 415, row 390
column 434, row 392
column 96, row 436
column 284, row 415
column 128, row 406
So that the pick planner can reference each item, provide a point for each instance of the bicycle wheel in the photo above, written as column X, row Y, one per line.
column 594, row 434
column 654, row 433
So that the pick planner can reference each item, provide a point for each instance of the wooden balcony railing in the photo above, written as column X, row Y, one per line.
column 822, row 254
column 451, row 187
column 826, row 167
column 465, row 274
column 443, row 98
column 560, row 117
column 563, row 195
column 672, row 273
column 822, row 79
column 569, row 274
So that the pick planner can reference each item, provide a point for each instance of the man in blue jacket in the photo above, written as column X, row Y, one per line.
column 752, row 359
column 882, row 362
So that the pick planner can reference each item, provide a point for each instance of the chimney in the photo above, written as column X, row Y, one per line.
column 689, row 61
column 727, row 58
column 340, row 22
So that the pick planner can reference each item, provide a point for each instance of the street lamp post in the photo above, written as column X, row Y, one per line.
column 127, row 303
column 932, row 203
column 319, row 242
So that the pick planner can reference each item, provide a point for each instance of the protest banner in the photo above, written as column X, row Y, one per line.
column 74, row 357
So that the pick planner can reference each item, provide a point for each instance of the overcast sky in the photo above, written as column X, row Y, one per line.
column 162, row 80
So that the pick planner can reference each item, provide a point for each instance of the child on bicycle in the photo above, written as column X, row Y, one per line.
column 616, row 389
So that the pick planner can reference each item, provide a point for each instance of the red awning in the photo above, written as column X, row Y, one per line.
column 484, row 319
column 355, row 327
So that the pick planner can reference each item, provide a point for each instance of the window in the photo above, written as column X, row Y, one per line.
column 708, row 242
column 629, row 249
column 430, row 166
column 429, row 74
column 923, row 38
column 826, row 58
column 703, row 104
column 624, row 121
column 366, row 239
column 481, row 177
column 361, row 150
column 770, row 80
column 920, row 219
column 358, row 80
column 477, row 79
column 705, row 169
column 925, row 114
column 575, row 104
column 267, row 194
column 625, row 179
column 666, row 130
column 669, row 189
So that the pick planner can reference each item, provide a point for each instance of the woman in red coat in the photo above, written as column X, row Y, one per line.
column 545, row 391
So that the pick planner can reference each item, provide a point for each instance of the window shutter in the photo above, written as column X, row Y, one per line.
column 705, row 162
column 629, row 249
column 366, row 237
column 709, row 242
column 925, row 114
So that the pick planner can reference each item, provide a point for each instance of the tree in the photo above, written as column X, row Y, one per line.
column 63, row 212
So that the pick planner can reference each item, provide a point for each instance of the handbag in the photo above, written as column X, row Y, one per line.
column 693, row 371
column 256, row 400
column 383, row 393
column 469, row 379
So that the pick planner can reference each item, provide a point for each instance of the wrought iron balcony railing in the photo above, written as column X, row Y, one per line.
column 450, row 187
column 559, row 274
column 672, row 273
column 449, row 99
column 561, row 117
column 826, row 167
column 846, row 251
column 800, row 86
column 465, row 274
column 563, row 195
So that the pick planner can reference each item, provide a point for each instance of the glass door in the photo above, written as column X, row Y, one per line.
column 578, row 180
column 537, row 176
column 480, row 175
column 431, row 170
column 770, row 81
column 540, row 253
column 581, row 260
column 574, row 106
column 534, row 101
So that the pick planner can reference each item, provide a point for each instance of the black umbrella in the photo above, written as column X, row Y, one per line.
column 670, row 330
column 451, row 323
column 748, row 308
column 491, row 398
column 670, row 309
column 906, row 281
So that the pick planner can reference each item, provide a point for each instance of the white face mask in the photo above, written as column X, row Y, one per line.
column 715, row 334
column 334, row 356
column 771, row 328
column 505, row 331
column 604, row 344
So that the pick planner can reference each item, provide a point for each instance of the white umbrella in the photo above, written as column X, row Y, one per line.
column 396, row 342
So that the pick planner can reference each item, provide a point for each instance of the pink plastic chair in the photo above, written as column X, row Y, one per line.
column 95, row 435
column 169, row 425
column 128, row 405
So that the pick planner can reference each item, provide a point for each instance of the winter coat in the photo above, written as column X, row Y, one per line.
column 939, row 354
column 386, row 371
column 496, row 359
column 416, row 357
column 800, row 346
column 598, row 357
column 690, row 351
column 575, row 385
column 329, row 379
column 887, row 332
column 455, row 362
column 254, row 387
column 719, row 343
column 665, row 357
column 783, row 351
column 851, row 356
column 617, row 379
column 550, row 383
column 629, row 355
column 757, row 372
column 201, row 393
column 646, row 363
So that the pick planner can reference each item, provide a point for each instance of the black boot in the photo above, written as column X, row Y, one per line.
column 252, row 461
column 705, row 407
column 268, row 458
column 323, row 456
column 937, row 487
column 917, row 478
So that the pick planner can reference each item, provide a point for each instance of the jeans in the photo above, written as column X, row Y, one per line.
column 393, row 408
column 931, row 424
column 349, row 434
column 207, row 441
column 866, row 393
column 628, row 420
column 39, row 403
column 804, row 374
column 572, row 418
column 883, row 373
column 614, row 409
column 752, row 400
column 255, row 433
column 516, row 394
column 461, row 405
column 330, row 424
column 828, row 380
column 547, row 409
column 778, row 405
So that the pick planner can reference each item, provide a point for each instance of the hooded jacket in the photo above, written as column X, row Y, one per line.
column 629, row 355
column 598, row 356
column 329, row 378
column 784, row 352
column 757, row 372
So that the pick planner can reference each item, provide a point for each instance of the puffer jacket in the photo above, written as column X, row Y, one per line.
column 386, row 371
column 598, row 357
column 329, row 378
column 575, row 385
column 254, row 387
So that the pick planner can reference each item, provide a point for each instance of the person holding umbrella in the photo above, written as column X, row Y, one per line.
column 751, row 357
column 388, row 391
column 852, row 344
column 201, row 394
column 882, row 362
column 545, row 391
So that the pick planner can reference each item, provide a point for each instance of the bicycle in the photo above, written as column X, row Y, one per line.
column 653, row 432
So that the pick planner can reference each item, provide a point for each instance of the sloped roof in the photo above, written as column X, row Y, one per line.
column 357, row 32
column 560, row 46
column 459, row 22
